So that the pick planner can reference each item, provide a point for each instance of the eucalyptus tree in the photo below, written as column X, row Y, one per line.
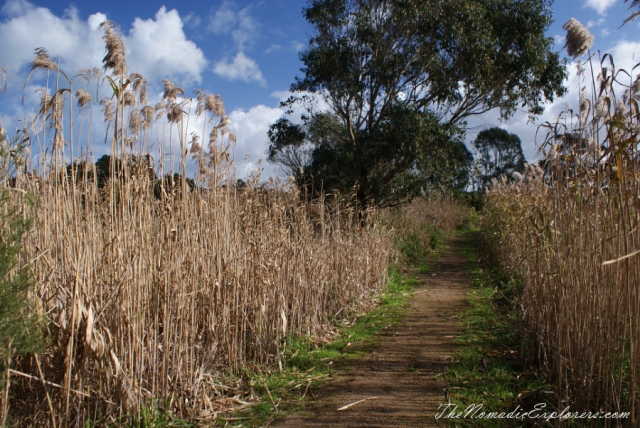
column 400, row 78
column 499, row 154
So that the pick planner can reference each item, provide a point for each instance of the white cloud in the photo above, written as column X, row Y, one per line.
column 248, row 30
column 78, row 44
column 159, row 48
column 559, row 40
column 224, row 20
column 531, row 134
column 156, row 48
column 192, row 20
column 251, row 128
column 243, row 28
column 297, row 46
column 600, row 6
column 316, row 102
column 14, row 8
column 273, row 48
column 623, row 56
column 626, row 55
column 241, row 68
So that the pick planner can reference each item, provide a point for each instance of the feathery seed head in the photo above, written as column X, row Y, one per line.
column 552, row 156
column 602, row 107
column 621, row 109
column 56, row 105
column 140, row 86
column 129, row 99
column 135, row 121
column 115, row 57
column 42, row 60
column 196, row 148
column 171, row 91
column 201, row 99
column 224, row 122
column 45, row 100
column 148, row 113
column 213, row 136
column 585, row 106
column 87, row 74
column 635, row 88
column 517, row 177
column 174, row 113
column 215, row 105
column 83, row 97
column 107, row 109
column 579, row 39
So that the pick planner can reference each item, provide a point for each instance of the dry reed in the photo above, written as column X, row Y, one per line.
column 153, row 288
column 569, row 229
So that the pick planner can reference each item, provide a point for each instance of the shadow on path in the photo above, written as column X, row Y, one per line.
column 401, row 379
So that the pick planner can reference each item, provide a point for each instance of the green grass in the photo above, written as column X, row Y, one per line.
column 489, row 371
column 152, row 415
column 307, row 365
column 417, row 246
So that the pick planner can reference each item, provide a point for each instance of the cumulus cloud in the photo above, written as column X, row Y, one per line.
column 241, row 68
column 77, row 43
column 532, row 135
column 623, row 56
column 626, row 55
column 157, row 48
column 600, row 6
column 251, row 128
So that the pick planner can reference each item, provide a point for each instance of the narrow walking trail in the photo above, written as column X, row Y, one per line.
column 401, row 380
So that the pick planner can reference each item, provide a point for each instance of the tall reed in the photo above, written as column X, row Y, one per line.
column 153, row 287
column 569, row 228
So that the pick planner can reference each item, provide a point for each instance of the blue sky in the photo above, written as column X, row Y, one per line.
column 247, row 51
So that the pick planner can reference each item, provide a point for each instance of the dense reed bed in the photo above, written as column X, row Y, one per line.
column 569, row 230
column 153, row 289
column 420, row 225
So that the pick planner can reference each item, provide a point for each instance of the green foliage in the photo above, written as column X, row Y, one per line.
column 499, row 154
column 20, row 326
column 488, row 370
column 417, row 246
column 400, row 78
column 152, row 415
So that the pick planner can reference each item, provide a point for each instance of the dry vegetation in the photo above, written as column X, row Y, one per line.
column 420, row 225
column 570, row 231
column 154, row 290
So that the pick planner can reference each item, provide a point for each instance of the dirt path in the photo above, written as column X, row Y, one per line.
column 401, row 379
